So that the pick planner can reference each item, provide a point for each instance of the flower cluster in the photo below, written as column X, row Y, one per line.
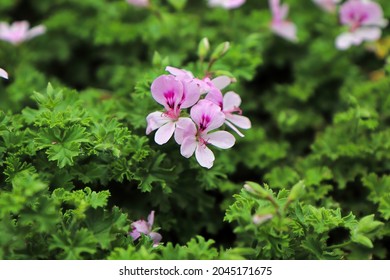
column 364, row 20
column 19, row 32
column 181, row 90
column 145, row 227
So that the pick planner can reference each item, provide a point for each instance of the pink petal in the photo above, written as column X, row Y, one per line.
column 167, row 91
column 164, row 133
column 151, row 219
column 156, row 237
column 36, row 31
column 135, row 234
column 207, row 110
column 286, row 30
column 179, row 72
column 231, row 100
column 156, row 120
column 234, row 128
column 221, row 139
column 184, row 127
column 141, row 226
column 344, row 41
column 221, row 82
column 191, row 94
column 368, row 33
column 204, row 156
column 188, row 146
column 215, row 96
column 3, row 73
column 240, row 121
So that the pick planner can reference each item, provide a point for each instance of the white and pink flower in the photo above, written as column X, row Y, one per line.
column 174, row 95
column 19, row 32
column 364, row 19
column 145, row 227
column 226, row 4
column 279, row 25
column 195, row 135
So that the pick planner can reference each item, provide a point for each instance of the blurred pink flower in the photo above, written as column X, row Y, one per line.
column 139, row 3
column 279, row 24
column 145, row 227
column 194, row 139
column 174, row 95
column 364, row 19
column 226, row 4
column 19, row 32
column 327, row 5
column 3, row 73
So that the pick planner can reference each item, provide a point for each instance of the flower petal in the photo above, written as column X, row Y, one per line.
column 231, row 100
column 156, row 120
column 207, row 115
column 240, row 121
column 215, row 96
column 188, row 146
column 164, row 133
column 36, row 31
column 151, row 219
column 344, row 41
column 191, row 94
column 179, row 72
column 156, row 237
column 285, row 29
column 167, row 91
column 3, row 73
column 141, row 226
column 221, row 82
column 184, row 127
column 234, row 128
column 368, row 33
column 221, row 139
column 204, row 156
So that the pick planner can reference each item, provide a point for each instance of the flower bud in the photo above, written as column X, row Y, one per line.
column 203, row 48
column 258, row 219
column 220, row 51
column 297, row 191
column 256, row 189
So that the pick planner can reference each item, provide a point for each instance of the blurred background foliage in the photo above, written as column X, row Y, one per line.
column 77, row 168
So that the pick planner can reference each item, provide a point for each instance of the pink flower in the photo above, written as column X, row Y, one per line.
column 145, row 227
column 3, row 73
column 139, row 3
column 279, row 24
column 364, row 19
column 19, row 32
column 327, row 5
column 230, row 104
column 187, row 77
column 174, row 95
column 226, row 4
column 194, row 139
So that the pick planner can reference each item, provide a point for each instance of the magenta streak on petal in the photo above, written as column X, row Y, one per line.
column 170, row 97
column 204, row 122
column 234, row 110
